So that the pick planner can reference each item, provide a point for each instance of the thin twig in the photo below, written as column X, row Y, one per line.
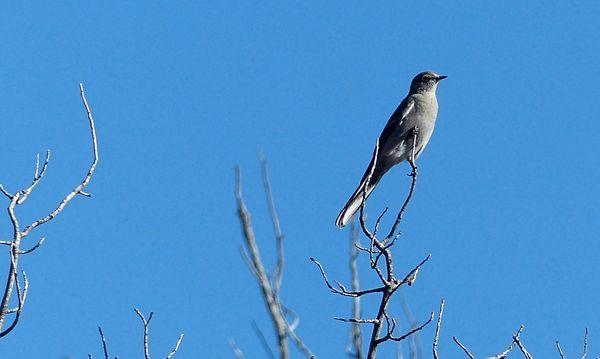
column 437, row 330
column 342, row 290
column 18, row 198
column 79, row 188
column 263, row 340
column 146, row 324
column 271, row 300
column 364, row 194
column 411, row 332
column 585, row 344
column 520, row 344
column 357, row 320
column 411, row 277
column 176, row 348
column 413, row 174
column 278, row 273
column 236, row 350
column 103, row 338
column 270, row 290
column 354, row 347
column 464, row 348
column 36, row 246
column 560, row 352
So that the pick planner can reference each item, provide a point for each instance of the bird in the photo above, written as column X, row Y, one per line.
column 414, row 117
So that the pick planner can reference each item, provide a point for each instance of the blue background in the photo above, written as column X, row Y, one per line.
column 182, row 91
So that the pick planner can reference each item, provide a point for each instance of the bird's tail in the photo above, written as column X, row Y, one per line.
column 356, row 199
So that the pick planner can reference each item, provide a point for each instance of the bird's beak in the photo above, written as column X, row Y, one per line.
column 441, row 77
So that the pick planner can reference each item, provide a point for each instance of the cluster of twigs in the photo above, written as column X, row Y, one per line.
column 19, row 233
column 381, row 262
column 269, row 285
column 516, row 341
column 146, row 323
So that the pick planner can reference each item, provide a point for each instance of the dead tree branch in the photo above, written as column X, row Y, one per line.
column 382, row 263
column 269, row 285
column 437, row 331
column 585, row 346
column 18, row 198
column 146, row 323
column 354, row 347
column 515, row 342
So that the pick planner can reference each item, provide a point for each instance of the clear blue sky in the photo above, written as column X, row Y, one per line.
column 507, row 200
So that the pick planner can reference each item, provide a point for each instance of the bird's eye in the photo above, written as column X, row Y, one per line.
column 426, row 78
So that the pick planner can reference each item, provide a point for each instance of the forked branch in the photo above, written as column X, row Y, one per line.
column 18, row 198
column 269, row 285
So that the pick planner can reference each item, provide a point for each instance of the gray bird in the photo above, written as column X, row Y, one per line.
column 395, row 144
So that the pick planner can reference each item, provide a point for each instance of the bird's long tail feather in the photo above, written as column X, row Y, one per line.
column 356, row 200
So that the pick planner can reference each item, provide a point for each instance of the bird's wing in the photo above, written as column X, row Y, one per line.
column 397, row 119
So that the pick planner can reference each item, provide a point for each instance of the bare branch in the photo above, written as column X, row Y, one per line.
column 357, row 320
column 343, row 291
column 278, row 273
column 463, row 348
column 413, row 174
column 560, row 352
column 36, row 246
column 263, row 340
column 271, row 300
column 411, row 277
column 411, row 332
column 176, row 348
column 437, row 331
column 21, row 297
column 361, row 216
column 18, row 198
column 5, row 192
column 354, row 347
column 37, row 176
column 86, row 180
column 520, row 344
column 103, row 338
column 236, row 350
column 146, row 324
column 585, row 344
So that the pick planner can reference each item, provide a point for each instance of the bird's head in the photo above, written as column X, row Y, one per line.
column 425, row 81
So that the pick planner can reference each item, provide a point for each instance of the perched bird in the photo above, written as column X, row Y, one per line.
column 416, row 114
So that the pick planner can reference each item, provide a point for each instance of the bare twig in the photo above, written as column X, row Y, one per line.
column 176, row 348
column 409, row 333
column 585, row 344
column 278, row 273
column 236, row 350
column 343, row 291
column 79, row 188
column 19, row 198
column 269, row 289
column 381, row 249
column 146, row 324
column 103, row 338
column 437, row 330
column 36, row 246
column 364, row 194
column 560, row 352
column 413, row 174
column 520, row 344
column 464, row 348
column 354, row 348
column 263, row 340
column 261, row 274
